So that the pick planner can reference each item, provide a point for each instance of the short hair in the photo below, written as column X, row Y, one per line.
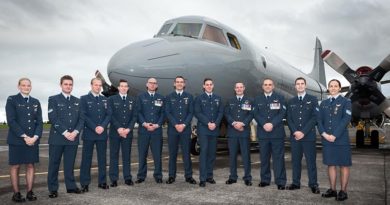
column 207, row 79
column 239, row 82
column 300, row 78
column 338, row 82
column 99, row 79
column 179, row 76
column 23, row 79
column 122, row 81
column 65, row 77
column 267, row 78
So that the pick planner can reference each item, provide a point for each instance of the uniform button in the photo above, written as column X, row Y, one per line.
column 28, row 107
column 69, row 107
column 29, row 128
column 300, row 118
column 28, row 114
column 179, row 113
column 70, row 114
column 70, row 120
column 151, row 113
column 300, row 112
column 29, row 120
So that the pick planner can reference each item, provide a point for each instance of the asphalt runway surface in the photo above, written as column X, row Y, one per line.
column 369, row 182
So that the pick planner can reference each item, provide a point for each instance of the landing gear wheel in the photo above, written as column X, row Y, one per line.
column 359, row 138
column 375, row 139
column 195, row 147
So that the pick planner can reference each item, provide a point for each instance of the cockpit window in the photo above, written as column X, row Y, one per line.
column 164, row 30
column 233, row 41
column 215, row 34
column 187, row 29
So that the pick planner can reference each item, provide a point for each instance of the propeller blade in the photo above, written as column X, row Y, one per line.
column 334, row 61
column 378, row 73
column 385, row 107
column 385, row 82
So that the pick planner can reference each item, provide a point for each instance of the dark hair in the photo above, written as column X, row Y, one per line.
column 239, row 82
column 122, row 81
column 268, row 79
column 99, row 79
column 335, row 81
column 207, row 79
column 300, row 78
column 179, row 76
column 66, row 77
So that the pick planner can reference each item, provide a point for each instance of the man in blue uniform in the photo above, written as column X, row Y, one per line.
column 301, row 119
column 123, row 118
column 96, row 114
column 150, row 118
column 24, row 117
column 209, row 111
column 238, row 113
column 179, row 110
column 64, row 115
column 269, row 113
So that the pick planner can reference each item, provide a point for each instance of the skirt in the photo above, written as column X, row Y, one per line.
column 337, row 155
column 23, row 154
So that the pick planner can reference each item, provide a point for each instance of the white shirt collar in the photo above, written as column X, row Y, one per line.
column 25, row 96
column 65, row 95
column 151, row 93
column 302, row 95
column 123, row 95
column 179, row 92
column 270, row 94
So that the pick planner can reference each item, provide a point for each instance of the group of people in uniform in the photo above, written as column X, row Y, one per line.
column 92, row 115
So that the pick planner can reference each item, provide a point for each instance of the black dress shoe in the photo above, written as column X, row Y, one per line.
column 329, row 193
column 74, row 191
column 158, row 181
column 292, row 187
column 191, row 180
column 263, row 184
column 84, row 188
column 281, row 187
column 31, row 196
column 315, row 190
column 202, row 183
column 139, row 181
column 170, row 180
column 129, row 182
column 231, row 181
column 103, row 186
column 114, row 184
column 342, row 196
column 53, row 194
column 17, row 197
column 210, row 180
column 248, row 183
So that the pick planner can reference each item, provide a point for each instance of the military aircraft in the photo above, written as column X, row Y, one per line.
column 197, row 47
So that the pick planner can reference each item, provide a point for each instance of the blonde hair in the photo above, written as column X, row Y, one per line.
column 23, row 79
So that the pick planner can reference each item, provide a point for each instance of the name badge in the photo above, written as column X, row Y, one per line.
column 274, row 106
column 158, row 103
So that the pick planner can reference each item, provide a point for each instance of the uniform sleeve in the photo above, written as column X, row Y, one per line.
column 290, row 121
column 84, row 108
column 39, row 121
column 190, row 113
column 114, row 121
column 10, row 109
column 313, row 118
column 220, row 112
column 345, row 119
column 168, row 112
column 228, row 114
column 54, row 116
column 198, row 112
column 278, row 119
column 108, row 116
column 320, row 125
column 133, row 116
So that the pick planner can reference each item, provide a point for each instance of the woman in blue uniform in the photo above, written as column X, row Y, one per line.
column 333, row 119
column 24, row 117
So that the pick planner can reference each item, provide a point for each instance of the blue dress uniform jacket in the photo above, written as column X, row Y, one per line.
column 64, row 115
column 179, row 110
column 95, row 112
column 124, row 115
column 333, row 118
column 23, row 118
column 302, row 116
column 271, row 110
column 207, row 110
column 150, row 110
column 239, row 111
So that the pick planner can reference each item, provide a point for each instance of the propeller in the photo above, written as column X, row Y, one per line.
column 364, row 82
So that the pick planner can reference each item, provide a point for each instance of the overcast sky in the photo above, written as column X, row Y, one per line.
column 44, row 39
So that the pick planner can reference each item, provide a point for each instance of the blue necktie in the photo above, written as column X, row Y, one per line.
column 26, row 99
column 123, row 98
column 300, row 98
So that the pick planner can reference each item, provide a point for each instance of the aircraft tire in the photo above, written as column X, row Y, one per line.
column 195, row 147
column 375, row 139
column 359, row 138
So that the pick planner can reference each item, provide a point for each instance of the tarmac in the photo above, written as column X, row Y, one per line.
column 369, row 182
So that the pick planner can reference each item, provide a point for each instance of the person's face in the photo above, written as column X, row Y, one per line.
column 123, row 88
column 152, row 84
column 25, row 87
column 96, row 86
column 334, row 88
column 67, row 86
column 239, row 88
column 300, row 86
column 268, row 86
column 208, row 86
column 179, row 84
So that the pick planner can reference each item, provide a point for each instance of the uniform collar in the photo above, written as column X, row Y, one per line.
column 208, row 94
column 302, row 95
column 65, row 95
column 94, row 95
column 151, row 93
column 270, row 94
column 179, row 92
column 25, row 96
column 123, row 95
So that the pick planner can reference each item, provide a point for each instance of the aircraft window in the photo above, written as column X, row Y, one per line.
column 214, row 34
column 233, row 41
column 187, row 29
column 164, row 30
